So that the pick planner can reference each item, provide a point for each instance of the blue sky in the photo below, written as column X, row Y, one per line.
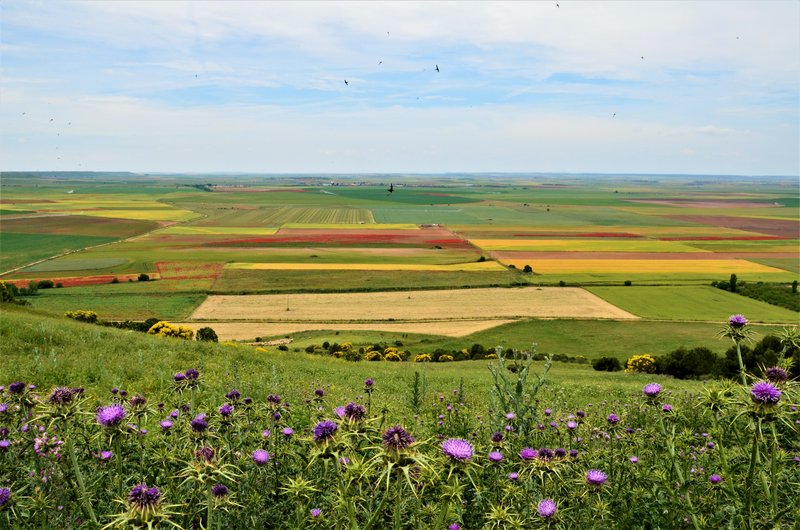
column 629, row 87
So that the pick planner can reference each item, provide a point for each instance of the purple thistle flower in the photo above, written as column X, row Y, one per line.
column 546, row 508
column 613, row 419
column 115, row 391
column 545, row 454
column 5, row 444
column 315, row 512
column 199, row 423
column 547, row 412
column 765, row 393
column 260, row 457
column 233, row 395
column 105, row 455
column 496, row 456
column 180, row 376
column 666, row 407
column 174, row 414
column 324, row 431
column 737, row 321
column 354, row 412
column 111, row 415
column 497, row 437
column 274, row 399
column 457, row 449
column 205, row 454
column 369, row 382
column 396, row 438
column 560, row 452
column 226, row 410
column 165, row 424
column 715, row 479
column 595, row 477
column 528, row 453
column 5, row 494
column 192, row 374
column 513, row 476
column 573, row 453
column 137, row 401
column 510, row 415
column 62, row 395
column 219, row 490
column 571, row 425
column 339, row 411
column 141, row 497
column 634, row 459
column 248, row 401
column 776, row 374
column 454, row 526
column 319, row 392
column 3, row 407
column 287, row 431
column 17, row 387
column 652, row 390
column 123, row 393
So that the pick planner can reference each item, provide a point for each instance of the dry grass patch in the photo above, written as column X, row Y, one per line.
column 449, row 305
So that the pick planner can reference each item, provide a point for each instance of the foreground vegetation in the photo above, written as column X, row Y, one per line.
column 103, row 427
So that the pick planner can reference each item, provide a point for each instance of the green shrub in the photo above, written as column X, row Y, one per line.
column 45, row 284
column 607, row 364
column 207, row 335
column 688, row 364
column 143, row 277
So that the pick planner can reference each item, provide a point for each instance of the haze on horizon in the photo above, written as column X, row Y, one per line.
column 582, row 87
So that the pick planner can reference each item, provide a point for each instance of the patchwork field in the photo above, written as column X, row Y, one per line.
column 459, row 304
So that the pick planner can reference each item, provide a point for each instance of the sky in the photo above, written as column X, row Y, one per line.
column 608, row 87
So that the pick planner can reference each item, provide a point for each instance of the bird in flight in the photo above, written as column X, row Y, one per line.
column 51, row 119
column 391, row 188
column 558, row 5
column 345, row 82
column 380, row 62
column 437, row 68
column 643, row 57
column 614, row 115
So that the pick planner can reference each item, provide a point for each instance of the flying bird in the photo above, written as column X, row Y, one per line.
column 437, row 68
column 643, row 57
column 345, row 82
column 558, row 5
column 614, row 115
column 391, row 188
column 51, row 119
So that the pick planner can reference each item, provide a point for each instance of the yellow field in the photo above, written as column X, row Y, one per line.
column 351, row 226
column 469, row 266
column 584, row 245
column 171, row 214
column 218, row 230
column 633, row 266
column 431, row 306
column 250, row 330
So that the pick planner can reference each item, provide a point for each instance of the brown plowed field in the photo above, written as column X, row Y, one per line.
column 775, row 227
column 449, row 305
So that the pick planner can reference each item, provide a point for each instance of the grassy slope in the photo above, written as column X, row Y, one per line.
column 55, row 351
column 691, row 303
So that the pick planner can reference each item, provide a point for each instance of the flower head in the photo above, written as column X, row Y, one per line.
column 199, row 423
column 165, row 425
column 226, row 410
column 776, row 374
column 233, row 395
column 546, row 508
column 454, row 526
column 319, row 392
column 141, row 497
column 396, row 438
column 260, row 457
column 111, row 415
column 765, row 393
column 5, row 494
column 369, row 382
column 205, row 453
column 513, row 476
column 666, row 407
column 496, row 456
column 634, row 459
column 737, row 321
column 528, row 453
column 62, row 395
column 315, row 512
column 572, row 425
column 324, row 431
column 287, row 431
column 354, row 412
column 192, row 374
column 652, row 390
column 219, row 490
column 715, row 479
column 595, row 477
column 457, row 449
column 106, row 455
column 613, row 419
column 17, row 387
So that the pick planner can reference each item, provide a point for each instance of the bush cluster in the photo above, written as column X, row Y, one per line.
column 82, row 315
column 779, row 294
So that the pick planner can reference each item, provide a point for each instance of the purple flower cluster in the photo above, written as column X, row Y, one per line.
column 63, row 396
column 765, row 393
column 652, row 390
column 226, row 410
column 528, row 453
column 776, row 374
column 496, row 456
column 546, row 508
column 219, row 490
column 396, row 438
column 457, row 449
column 354, row 412
column 141, row 497
column 17, row 387
column 715, row 479
column 233, row 395
column 110, row 416
column 613, row 419
column 325, row 431
column 5, row 494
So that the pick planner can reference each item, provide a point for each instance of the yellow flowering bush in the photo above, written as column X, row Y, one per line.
column 373, row 356
column 393, row 357
column 641, row 364
column 82, row 315
column 445, row 358
column 165, row 329
column 423, row 358
column 490, row 356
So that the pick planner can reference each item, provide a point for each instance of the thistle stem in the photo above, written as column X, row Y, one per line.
column 741, row 363
column 210, row 510
column 81, row 484
column 749, row 484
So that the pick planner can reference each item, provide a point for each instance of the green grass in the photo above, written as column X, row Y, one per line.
column 118, row 306
column 56, row 351
column 242, row 280
column 691, row 303
column 19, row 249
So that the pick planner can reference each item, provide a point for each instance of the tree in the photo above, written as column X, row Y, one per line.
column 527, row 269
column 607, row 364
column 207, row 335
column 143, row 277
column 733, row 283
column 794, row 286
column 45, row 284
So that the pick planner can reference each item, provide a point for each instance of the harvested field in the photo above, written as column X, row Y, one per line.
column 635, row 266
column 457, row 304
column 511, row 256
column 250, row 330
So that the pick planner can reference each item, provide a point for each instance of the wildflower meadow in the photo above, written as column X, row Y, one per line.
column 189, row 457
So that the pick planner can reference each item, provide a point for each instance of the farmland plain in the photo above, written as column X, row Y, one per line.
column 670, row 237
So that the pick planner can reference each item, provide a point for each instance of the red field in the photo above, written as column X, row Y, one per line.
column 76, row 281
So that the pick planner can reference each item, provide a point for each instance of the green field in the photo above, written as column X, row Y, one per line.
column 691, row 303
column 19, row 249
column 118, row 305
